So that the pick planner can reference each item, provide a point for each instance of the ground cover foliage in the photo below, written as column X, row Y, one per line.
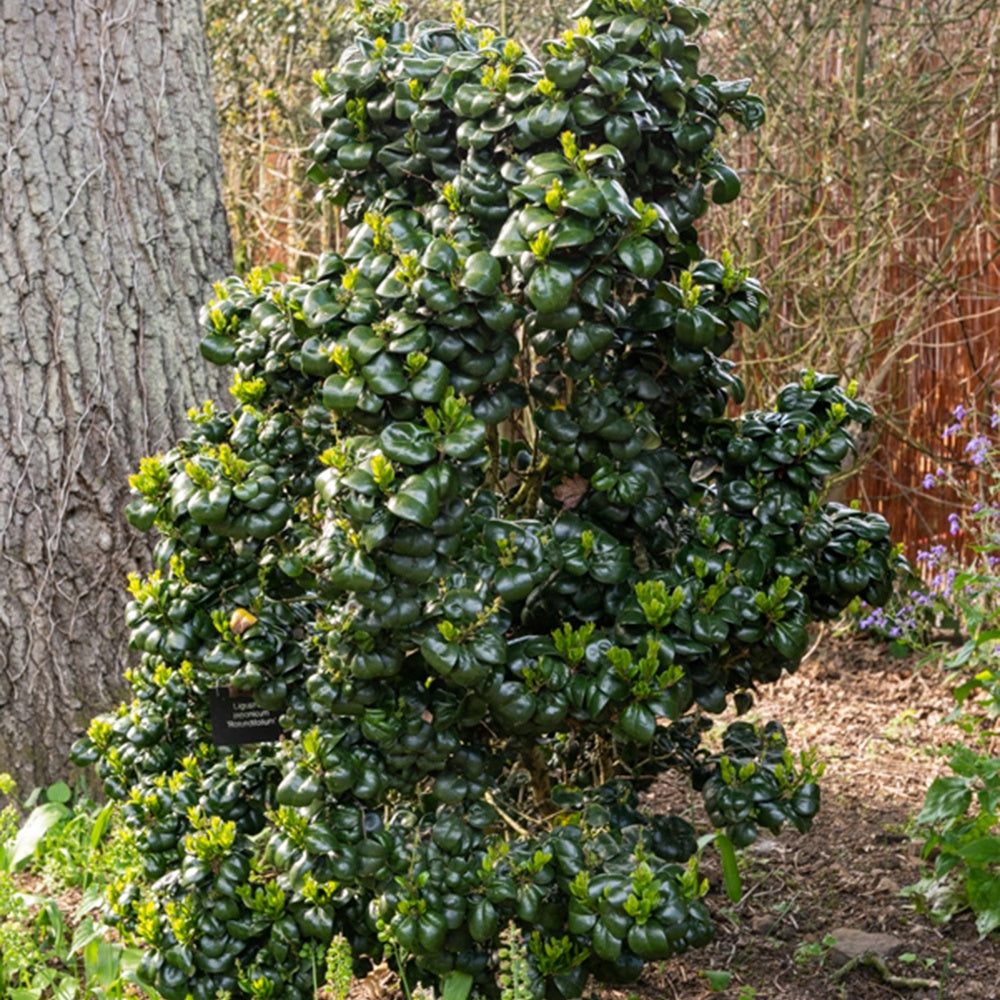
column 57, row 856
column 883, row 722
column 481, row 527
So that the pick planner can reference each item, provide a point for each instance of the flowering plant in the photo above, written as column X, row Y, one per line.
column 966, row 582
column 951, row 596
column 952, row 615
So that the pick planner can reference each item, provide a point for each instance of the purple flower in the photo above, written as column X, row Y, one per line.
column 951, row 430
column 995, row 419
column 929, row 482
column 959, row 412
column 932, row 555
column 977, row 449
column 953, row 523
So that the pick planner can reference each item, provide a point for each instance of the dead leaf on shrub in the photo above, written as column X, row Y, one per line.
column 571, row 491
column 240, row 620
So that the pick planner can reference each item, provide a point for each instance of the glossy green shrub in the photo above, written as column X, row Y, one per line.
column 482, row 527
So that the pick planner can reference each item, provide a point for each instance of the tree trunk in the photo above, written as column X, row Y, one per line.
column 111, row 232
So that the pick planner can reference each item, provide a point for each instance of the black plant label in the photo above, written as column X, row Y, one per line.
column 237, row 719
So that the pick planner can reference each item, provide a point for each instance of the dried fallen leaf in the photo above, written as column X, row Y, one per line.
column 571, row 491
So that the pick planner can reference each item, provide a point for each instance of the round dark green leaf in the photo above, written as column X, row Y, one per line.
column 440, row 255
column 641, row 256
column 341, row 392
column 416, row 500
column 572, row 232
column 384, row 375
column 481, row 273
column 408, row 444
column 727, row 185
column 355, row 155
column 546, row 120
column 565, row 73
column 430, row 383
column 472, row 100
column 550, row 287
column 321, row 305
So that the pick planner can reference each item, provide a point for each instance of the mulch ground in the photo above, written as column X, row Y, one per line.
column 876, row 721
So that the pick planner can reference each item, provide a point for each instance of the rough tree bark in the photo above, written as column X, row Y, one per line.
column 111, row 232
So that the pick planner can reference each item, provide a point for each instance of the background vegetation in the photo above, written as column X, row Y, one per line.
column 263, row 55
column 870, row 207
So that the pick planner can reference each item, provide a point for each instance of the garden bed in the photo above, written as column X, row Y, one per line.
column 874, row 720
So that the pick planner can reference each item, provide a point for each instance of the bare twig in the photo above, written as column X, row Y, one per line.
column 879, row 965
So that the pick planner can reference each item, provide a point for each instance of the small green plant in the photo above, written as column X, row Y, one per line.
column 960, row 827
column 515, row 977
column 20, row 956
column 46, row 950
column 718, row 980
column 909, row 958
column 424, row 993
column 810, row 951
column 895, row 729
column 339, row 972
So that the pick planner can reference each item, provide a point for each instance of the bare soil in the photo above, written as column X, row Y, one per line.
column 876, row 721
